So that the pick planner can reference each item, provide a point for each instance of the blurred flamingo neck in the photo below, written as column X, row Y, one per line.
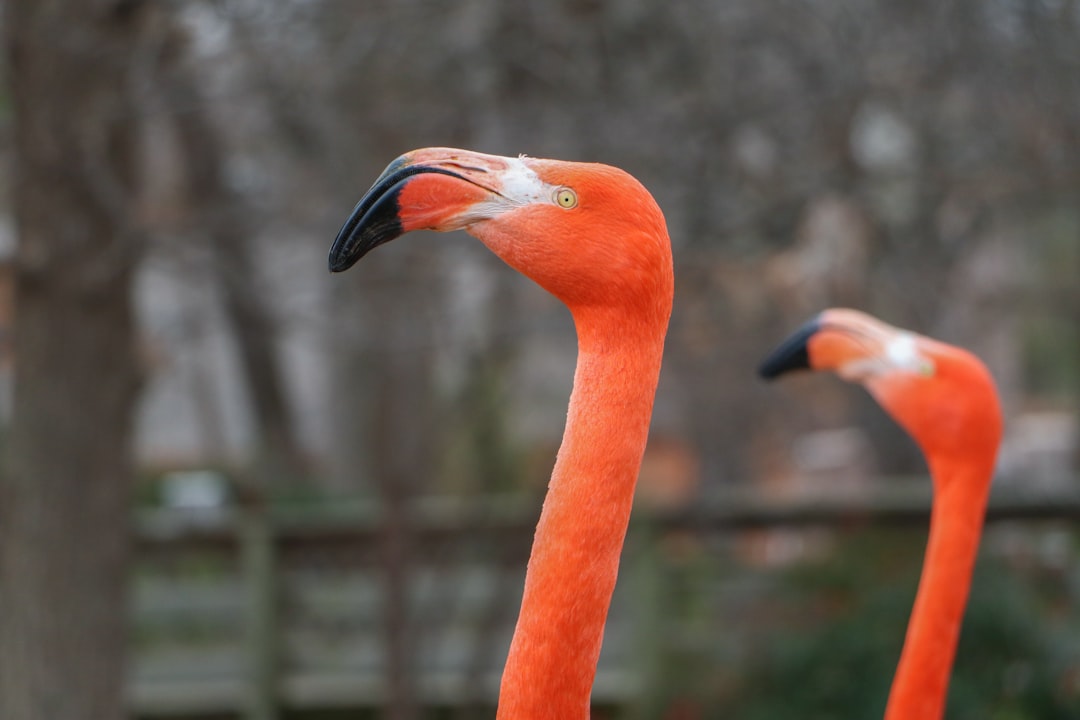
column 961, row 488
column 575, row 557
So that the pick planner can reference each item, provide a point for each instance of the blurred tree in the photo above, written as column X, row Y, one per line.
column 74, row 70
column 222, row 217
column 936, row 132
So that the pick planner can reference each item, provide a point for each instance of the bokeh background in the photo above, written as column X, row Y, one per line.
column 333, row 479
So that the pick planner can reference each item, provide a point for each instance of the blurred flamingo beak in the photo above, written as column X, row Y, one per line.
column 792, row 354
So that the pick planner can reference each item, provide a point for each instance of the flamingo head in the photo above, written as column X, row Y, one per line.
column 942, row 395
column 590, row 234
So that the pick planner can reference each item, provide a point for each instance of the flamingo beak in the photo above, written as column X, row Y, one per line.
column 430, row 189
column 376, row 219
column 792, row 354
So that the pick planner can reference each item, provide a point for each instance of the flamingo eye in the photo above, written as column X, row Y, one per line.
column 566, row 198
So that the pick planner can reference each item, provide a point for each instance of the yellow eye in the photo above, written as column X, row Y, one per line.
column 566, row 198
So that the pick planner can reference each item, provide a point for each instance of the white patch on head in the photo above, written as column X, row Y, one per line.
column 901, row 350
column 517, row 185
column 901, row 353
column 521, row 185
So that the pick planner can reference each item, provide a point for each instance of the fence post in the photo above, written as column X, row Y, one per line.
column 259, row 563
column 645, row 577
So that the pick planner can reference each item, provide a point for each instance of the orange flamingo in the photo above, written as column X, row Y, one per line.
column 594, row 237
column 945, row 399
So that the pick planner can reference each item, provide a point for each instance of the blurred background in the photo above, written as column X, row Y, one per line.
column 312, row 496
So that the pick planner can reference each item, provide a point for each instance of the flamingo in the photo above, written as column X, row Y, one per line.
column 945, row 398
column 593, row 237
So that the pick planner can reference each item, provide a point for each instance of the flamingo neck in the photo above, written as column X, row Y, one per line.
column 575, row 556
column 921, row 683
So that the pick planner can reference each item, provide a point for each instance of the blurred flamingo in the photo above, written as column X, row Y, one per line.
column 594, row 237
column 945, row 398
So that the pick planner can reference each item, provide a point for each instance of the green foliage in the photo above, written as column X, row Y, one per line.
column 1051, row 352
column 838, row 661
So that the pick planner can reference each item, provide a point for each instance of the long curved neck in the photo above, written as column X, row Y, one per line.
column 575, row 556
column 922, row 677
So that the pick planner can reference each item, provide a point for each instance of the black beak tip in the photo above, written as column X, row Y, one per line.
column 338, row 262
column 344, row 253
column 374, row 221
column 792, row 354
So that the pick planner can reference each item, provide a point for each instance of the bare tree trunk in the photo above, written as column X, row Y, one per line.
column 223, row 215
column 392, row 376
column 64, row 535
column 395, row 489
column 402, row 453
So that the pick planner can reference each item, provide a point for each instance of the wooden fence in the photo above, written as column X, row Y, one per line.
column 251, row 613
